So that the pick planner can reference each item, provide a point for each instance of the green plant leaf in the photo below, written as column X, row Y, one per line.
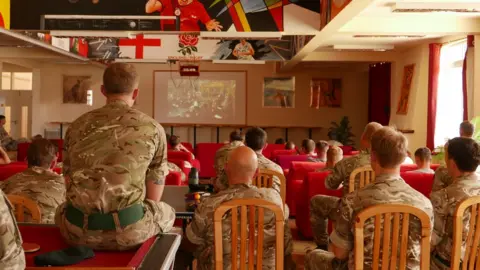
column 184, row 53
column 181, row 45
column 189, row 51
column 194, row 49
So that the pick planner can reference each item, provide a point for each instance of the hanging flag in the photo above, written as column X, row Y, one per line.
column 137, row 48
column 5, row 14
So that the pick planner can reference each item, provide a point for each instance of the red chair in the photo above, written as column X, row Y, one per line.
column 206, row 155
column 283, row 152
column 314, row 184
column 422, row 182
column 408, row 167
column 22, row 149
column 285, row 161
column 6, row 171
column 180, row 155
column 267, row 151
column 174, row 179
column 347, row 150
column 296, row 175
column 181, row 164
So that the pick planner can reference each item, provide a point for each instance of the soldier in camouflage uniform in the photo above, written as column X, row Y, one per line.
column 172, row 167
column 389, row 149
column 334, row 155
column 6, row 141
column 12, row 256
column 115, row 170
column 324, row 207
column 256, row 139
column 241, row 168
column 221, row 158
column 39, row 183
column 322, row 149
column 462, row 161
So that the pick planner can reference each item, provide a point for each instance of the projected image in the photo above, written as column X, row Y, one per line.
column 201, row 99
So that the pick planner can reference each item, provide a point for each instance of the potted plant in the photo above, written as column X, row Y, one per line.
column 342, row 132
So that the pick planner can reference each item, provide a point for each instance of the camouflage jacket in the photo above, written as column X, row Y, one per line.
column 12, row 256
column 200, row 230
column 265, row 163
column 444, row 203
column 343, row 169
column 221, row 158
column 3, row 134
column 110, row 153
column 316, row 159
column 387, row 189
column 42, row 186
column 441, row 179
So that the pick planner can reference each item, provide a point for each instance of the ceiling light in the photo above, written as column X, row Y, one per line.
column 378, row 48
column 429, row 7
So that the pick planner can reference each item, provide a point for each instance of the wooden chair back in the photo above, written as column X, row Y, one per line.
column 394, row 238
column 264, row 179
column 21, row 203
column 366, row 175
column 254, row 206
column 472, row 244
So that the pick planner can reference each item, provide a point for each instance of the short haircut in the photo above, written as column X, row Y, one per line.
column 322, row 146
column 280, row 141
column 467, row 128
column 389, row 147
column 41, row 153
column 370, row 128
column 304, row 143
column 174, row 140
column 256, row 138
column 310, row 146
column 289, row 145
column 236, row 135
column 334, row 153
column 2, row 117
column 424, row 154
column 120, row 78
column 465, row 152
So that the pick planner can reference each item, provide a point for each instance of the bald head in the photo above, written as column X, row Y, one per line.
column 370, row 128
column 241, row 166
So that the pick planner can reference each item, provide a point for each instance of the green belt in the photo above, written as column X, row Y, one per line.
column 99, row 221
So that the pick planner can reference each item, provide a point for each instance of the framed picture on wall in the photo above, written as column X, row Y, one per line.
column 325, row 93
column 75, row 89
column 279, row 92
column 408, row 72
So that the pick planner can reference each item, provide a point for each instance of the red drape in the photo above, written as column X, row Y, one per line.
column 433, row 70
column 379, row 90
column 470, row 44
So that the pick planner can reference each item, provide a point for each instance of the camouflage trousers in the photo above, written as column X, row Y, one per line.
column 158, row 218
column 436, row 264
column 323, row 260
column 322, row 208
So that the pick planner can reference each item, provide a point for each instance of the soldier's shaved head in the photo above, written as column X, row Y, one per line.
column 120, row 82
column 370, row 128
column 242, row 165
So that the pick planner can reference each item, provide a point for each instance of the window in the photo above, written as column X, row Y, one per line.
column 89, row 97
column 450, row 92
column 17, row 80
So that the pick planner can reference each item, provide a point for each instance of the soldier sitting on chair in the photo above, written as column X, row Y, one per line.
column 462, row 159
column 12, row 256
column 322, row 206
column 388, row 150
column 334, row 155
column 39, row 183
column 221, row 158
column 240, row 169
column 322, row 148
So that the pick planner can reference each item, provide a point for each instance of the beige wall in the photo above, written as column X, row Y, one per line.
column 355, row 99
column 416, row 117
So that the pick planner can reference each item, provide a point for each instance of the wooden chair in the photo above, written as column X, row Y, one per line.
column 472, row 256
column 264, row 179
column 399, row 239
column 20, row 203
column 251, row 205
column 367, row 175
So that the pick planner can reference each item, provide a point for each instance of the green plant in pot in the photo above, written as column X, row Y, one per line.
column 342, row 132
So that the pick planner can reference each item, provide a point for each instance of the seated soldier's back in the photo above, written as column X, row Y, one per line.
column 343, row 169
column 267, row 164
column 387, row 189
column 109, row 151
column 201, row 229
column 40, row 185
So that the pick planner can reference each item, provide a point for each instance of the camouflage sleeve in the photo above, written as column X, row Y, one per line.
column 11, row 252
column 440, row 210
column 342, row 236
column 66, row 157
column 336, row 178
column 273, row 196
column 197, row 229
column 158, row 169
column 440, row 180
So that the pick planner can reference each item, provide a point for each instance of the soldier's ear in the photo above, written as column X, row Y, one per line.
column 135, row 94
column 102, row 88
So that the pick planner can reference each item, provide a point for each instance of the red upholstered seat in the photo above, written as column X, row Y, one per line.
column 181, row 164
column 422, row 182
column 346, row 149
column 49, row 239
column 276, row 153
column 206, row 156
column 180, row 155
column 267, row 151
column 408, row 167
column 434, row 166
column 314, row 184
column 22, row 149
column 11, row 169
column 286, row 160
column 296, row 174
column 174, row 179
